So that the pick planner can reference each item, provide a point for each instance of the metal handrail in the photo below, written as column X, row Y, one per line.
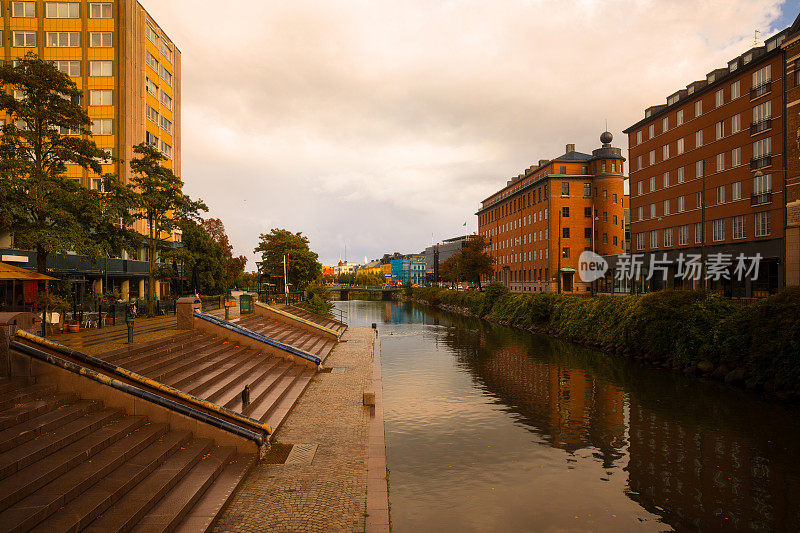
column 137, row 392
column 236, row 328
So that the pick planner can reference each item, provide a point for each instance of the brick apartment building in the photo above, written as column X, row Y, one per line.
column 791, row 48
column 540, row 222
column 708, row 172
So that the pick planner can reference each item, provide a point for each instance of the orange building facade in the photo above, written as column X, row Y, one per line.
column 708, row 175
column 538, row 225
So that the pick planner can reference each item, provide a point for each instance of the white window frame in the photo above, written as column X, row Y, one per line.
column 735, row 90
column 718, row 230
column 101, row 68
column 762, row 223
column 29, row 39
column 679, row 117
column 62, row 10
column 740, row 227
column 103, row 126
column 736, row 190
column 62, row 39
column 101, row 10
column 101, row 97
column 101, row 39
column 23, row 10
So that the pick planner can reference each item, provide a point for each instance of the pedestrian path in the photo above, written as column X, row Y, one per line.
column 329, row 493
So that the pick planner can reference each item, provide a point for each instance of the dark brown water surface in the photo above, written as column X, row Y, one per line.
column 491, row 428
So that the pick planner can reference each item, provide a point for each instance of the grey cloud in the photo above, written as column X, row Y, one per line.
column 377, row 123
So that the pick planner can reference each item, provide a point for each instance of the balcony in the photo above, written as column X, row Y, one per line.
column 761, row 90
column 761, row 198
column 761, row 125
column 760, row 162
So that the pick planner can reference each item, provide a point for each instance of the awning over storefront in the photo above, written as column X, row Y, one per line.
column 12, row 273
column 568, row 269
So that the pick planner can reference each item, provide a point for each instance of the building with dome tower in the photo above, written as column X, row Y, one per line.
column 541, row 221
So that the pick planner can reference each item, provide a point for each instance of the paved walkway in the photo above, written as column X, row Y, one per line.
column 330, row 493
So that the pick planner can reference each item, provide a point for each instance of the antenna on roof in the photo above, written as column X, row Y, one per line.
column 755, row 37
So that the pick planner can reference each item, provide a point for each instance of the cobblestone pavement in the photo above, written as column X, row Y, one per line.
column 330, row 493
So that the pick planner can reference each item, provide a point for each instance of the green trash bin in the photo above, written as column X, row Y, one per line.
column 245, row 304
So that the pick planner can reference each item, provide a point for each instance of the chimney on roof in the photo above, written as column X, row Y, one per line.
column 543, row 162
column 570, row 148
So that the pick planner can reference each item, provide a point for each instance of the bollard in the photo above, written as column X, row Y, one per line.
column 100, row 315
column 44, row 322
column 226, row 311
column 129, row 316
column 245, row 397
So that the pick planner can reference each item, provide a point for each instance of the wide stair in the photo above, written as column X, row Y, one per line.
column 335, row 325
column 217, row 370
column 68, row 464
column 319, row 345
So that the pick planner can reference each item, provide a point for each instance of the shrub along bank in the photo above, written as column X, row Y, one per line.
column 756, row 345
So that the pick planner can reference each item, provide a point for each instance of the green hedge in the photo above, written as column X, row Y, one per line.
column 683, row 326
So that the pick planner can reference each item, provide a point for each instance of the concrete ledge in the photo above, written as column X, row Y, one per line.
column 377, row 520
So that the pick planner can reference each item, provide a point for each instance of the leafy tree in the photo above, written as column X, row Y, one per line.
column 469, row 263
column 46, row 210
column 301, row 262
column 161, row 203
column 199, row 250
column 318, row 299
column 234, row 265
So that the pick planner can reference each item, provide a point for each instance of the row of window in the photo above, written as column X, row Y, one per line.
column 153, row 140
column 63, row 10
column 762, row 117
column 738, row 226
column 159, row 120
column 762, row 149
column 525, row 201
column 762, row 185
column 163, row 46
column 151, row 61
column 760, row 85
column 62, row 39
column 152, row 88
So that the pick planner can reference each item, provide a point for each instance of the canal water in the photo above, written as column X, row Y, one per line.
column 490, row 428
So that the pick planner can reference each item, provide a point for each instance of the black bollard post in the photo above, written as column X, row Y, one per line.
column 44, row 322
column 129, row 322
column 245, row 397
column 100, row 315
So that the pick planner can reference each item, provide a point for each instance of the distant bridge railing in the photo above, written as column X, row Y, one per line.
column 380, row 288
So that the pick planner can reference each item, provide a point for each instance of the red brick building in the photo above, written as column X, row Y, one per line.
column 791, row 50
column 538, row 225
column 708, row 172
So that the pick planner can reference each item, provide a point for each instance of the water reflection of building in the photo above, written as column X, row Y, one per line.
column 707, row 478
column 568, row 406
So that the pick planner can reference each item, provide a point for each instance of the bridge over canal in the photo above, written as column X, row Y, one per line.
column 344, row 290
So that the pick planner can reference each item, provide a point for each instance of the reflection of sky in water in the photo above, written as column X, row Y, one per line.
column 494, row 429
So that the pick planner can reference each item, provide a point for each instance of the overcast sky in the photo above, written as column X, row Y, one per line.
column 381, row 125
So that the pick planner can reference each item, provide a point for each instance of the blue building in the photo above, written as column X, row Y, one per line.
column 409, row 270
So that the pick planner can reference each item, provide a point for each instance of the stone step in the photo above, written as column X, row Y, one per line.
column 280, row 409
column 24, row 395
column 84, row 492
column 215, row 498
column 190, row 361
column 147, row 364
column 232, row 390
column 53, row 460
column 133, row 506
column 260, row 387
column 9, row 385
column 28, row 410
column 175, row 505
column 44, row 423
column 117, row 355
column 210, row 370
column 270, row 401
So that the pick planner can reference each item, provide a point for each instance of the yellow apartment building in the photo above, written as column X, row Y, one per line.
column 129, row 71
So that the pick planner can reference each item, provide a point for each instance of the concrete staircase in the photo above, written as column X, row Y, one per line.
column 319, row 345
column 335, row 325
column 68, row 464
column 216, row 370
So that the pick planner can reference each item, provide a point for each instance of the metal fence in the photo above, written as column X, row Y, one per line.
column 211, row 303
